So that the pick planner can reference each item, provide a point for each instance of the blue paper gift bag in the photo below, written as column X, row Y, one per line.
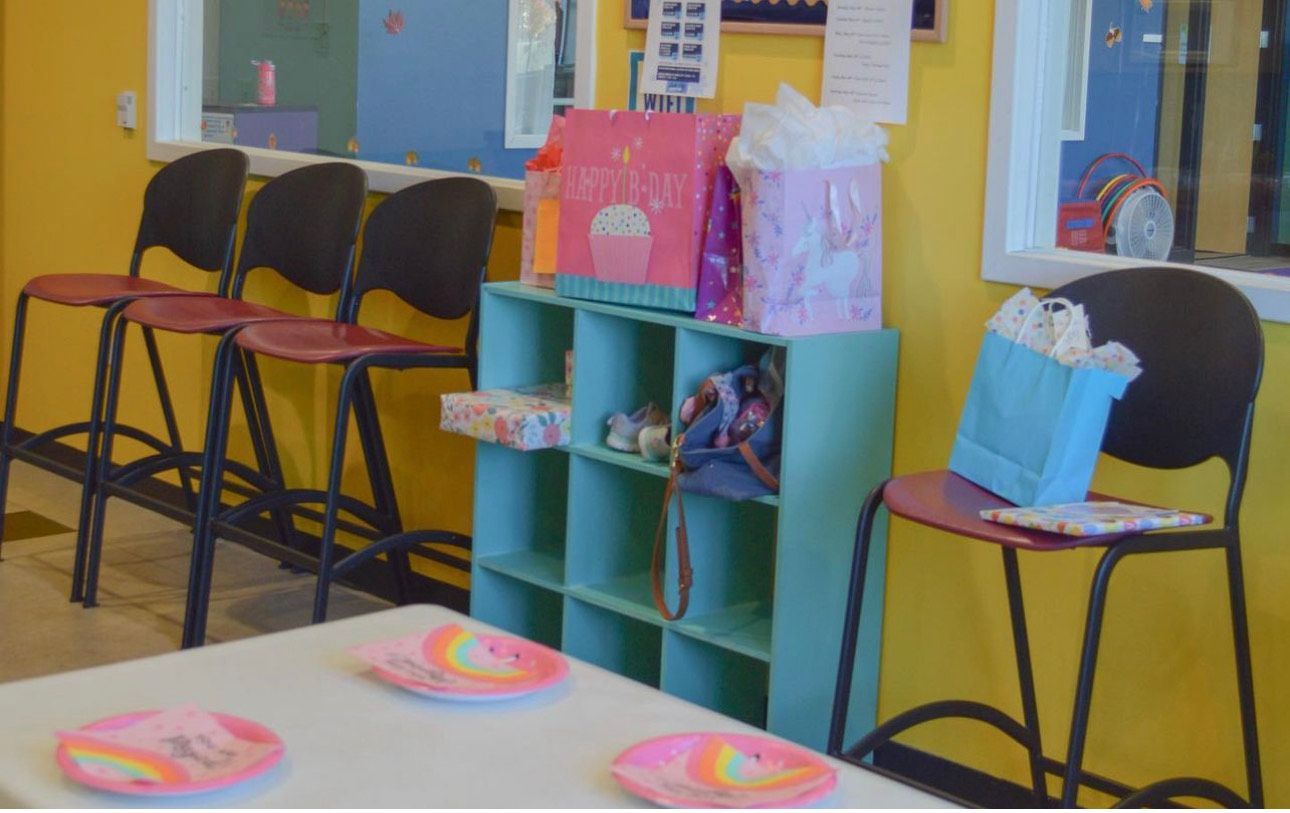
column 1032, row 427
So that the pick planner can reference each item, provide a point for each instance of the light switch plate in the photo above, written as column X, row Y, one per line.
column 125, row 110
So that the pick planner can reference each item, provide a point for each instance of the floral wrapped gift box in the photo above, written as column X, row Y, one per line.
column 524, row 418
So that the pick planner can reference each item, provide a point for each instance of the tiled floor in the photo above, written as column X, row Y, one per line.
column 141, row 588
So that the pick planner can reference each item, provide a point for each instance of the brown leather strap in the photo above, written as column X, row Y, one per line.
column 685, row 575
column 758, row 469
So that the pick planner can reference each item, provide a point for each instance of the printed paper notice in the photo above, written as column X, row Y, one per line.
column 682, row 48
column 866, row 57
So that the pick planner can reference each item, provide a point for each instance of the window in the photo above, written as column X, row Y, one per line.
column 1132, row 132
column 412, row 90
column 1075, row 98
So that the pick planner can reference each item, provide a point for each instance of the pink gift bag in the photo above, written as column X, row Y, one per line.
column 813, row 250
column 542, row 209
column 634, row 204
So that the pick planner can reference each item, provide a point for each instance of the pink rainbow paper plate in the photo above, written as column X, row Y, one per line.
column 175, row 752
column 723, row 770
column 451, row 663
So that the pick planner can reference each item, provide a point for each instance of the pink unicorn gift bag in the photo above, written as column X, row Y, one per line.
column 634, row 204
column 811, row 188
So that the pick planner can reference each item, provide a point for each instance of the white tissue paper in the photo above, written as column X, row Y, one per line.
column 1055, row 329
column 795, row 134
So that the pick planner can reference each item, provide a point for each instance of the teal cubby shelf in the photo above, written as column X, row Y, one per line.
column 563, row 537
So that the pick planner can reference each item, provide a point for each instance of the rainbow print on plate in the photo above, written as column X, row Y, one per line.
column 452, row 663
column 127, row 764
column 166, row 753
column 723, row 770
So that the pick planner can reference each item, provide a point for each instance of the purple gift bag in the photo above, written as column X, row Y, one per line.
column 721, row 281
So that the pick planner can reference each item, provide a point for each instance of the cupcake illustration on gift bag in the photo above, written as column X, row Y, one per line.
column 621, row 240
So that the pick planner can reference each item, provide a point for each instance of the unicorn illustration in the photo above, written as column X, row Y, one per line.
column 834, row 266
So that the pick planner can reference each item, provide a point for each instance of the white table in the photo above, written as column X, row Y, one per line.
column 352, row 740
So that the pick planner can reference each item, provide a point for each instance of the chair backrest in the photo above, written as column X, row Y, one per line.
column 303, row 225
column 191, row 207
column 1201, row 347
column 429, row 245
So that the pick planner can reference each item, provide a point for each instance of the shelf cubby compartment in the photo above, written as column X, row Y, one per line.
column 613, row 512
column 700, row 354
column 526, row 540
column 619, row 366
column 724, row 681
column 517, row 606
column 732, row 554
column 526, row 344
column 613, row 641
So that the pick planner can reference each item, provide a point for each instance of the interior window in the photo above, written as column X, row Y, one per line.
column 456, row 85
column 1174, row 132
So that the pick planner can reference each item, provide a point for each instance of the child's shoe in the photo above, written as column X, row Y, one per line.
column 625, row 430
column 656, row 443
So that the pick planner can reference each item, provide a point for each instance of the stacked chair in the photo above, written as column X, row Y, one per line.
column 428, row 244
column 302, row 225
column 1201, row 348
column 190, row 207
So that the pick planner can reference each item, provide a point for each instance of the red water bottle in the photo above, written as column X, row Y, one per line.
column 267, row 87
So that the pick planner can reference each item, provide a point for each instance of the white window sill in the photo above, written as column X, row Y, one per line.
column 381, row 177
column 1055, row 267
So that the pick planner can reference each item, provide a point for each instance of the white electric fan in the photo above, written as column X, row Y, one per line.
column 1143, row 227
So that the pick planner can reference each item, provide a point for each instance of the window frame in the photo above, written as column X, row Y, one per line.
column 1024, row 160
column 175, row 101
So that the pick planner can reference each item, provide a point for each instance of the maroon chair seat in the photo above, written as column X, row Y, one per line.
column 321, row 341
column 80, row 290
column 948, row 502
column 200, row 314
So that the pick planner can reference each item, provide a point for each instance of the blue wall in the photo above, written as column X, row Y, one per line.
column 437, row 86
column 1123, row 92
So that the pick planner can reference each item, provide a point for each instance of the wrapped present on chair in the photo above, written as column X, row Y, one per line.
column 634, row 204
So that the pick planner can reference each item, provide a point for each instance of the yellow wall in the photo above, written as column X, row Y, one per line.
column 1164, row 703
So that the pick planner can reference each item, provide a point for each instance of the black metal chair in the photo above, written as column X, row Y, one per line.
column 189, row 207
column 303, row 225
column 428, row 244
column 1201, row 347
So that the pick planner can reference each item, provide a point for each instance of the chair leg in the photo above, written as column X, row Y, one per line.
column 378, row 471
column 1025, row 676
column 168, row 414
column 327, row 543
column 89, row 485
column 11, row 405
column 97, row 513
column 1244, row 675
column 1087, row 668
column 262, row 441
column 851, row 622
column 201, row 566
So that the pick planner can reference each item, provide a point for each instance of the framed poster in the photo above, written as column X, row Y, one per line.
column 931, row 17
